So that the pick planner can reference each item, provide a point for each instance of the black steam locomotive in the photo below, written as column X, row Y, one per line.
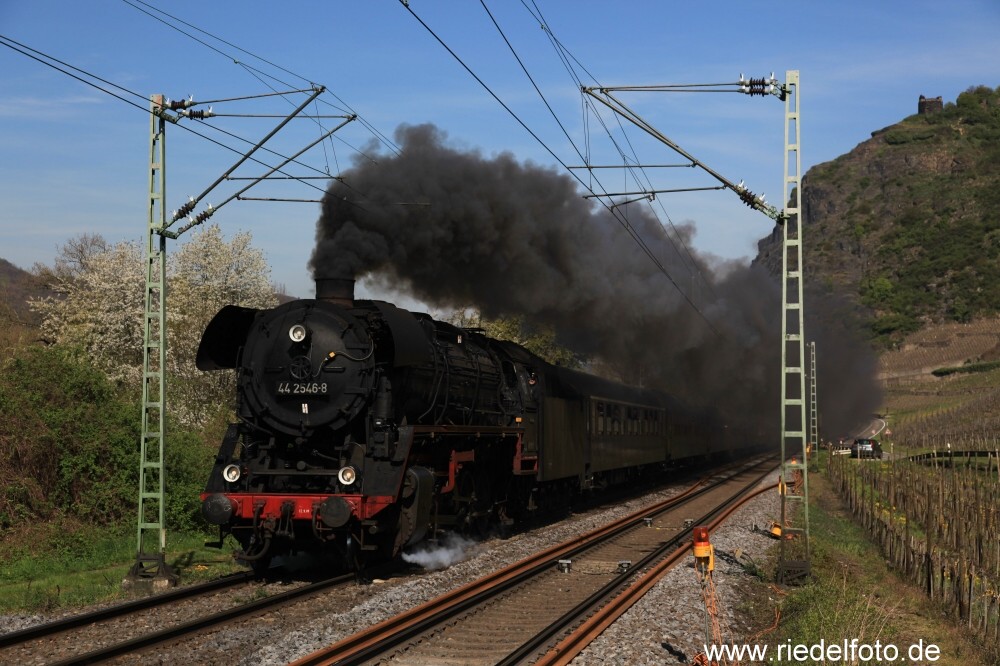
column 364, row 428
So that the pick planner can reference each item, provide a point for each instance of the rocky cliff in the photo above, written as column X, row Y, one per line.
column 907, row 224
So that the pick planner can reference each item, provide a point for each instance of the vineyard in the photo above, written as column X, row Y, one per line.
column 937, row 521
column 961, row 408
column 936, row 516
column 941, row 345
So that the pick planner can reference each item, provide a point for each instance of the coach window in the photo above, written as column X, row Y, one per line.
column 599, row 411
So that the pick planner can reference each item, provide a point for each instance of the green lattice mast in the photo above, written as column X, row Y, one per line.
column 152, row 535
column 793, row 560
column 151, row 538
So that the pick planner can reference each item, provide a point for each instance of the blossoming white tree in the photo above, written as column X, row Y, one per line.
column 205, row 274
column 98, row 308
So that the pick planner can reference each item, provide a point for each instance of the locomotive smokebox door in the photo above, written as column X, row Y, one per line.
column 306, row 368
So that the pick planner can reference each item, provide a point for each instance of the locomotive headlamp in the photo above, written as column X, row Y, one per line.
column 347, row 475
column 297, row 333
column 231, row 473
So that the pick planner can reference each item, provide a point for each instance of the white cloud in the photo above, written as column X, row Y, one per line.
column 48, row 108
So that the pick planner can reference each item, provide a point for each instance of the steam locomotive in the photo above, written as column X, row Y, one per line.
column 364, row 429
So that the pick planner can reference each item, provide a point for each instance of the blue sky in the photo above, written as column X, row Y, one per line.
column 74, row 159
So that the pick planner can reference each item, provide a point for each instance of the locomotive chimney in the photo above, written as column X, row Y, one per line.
column 336, row 290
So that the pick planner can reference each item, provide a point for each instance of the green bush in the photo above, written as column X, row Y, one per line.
column 188, row 460
column 967, row 369
column 69, row 446
column 67, row 439
column 894, row 324
column 900, row 137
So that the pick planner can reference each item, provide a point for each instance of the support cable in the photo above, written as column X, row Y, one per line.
column 749, row 198
column 201, row 217
column 23, row 49
column 248, row 141
column 257, row 73
column 651, row 193
column 159, row 111
column 532, row 80
column 624, row 222
column 567, row 58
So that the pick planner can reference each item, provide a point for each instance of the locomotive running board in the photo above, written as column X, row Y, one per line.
column 475, row 431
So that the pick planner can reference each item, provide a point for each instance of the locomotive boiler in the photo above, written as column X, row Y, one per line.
column 364, row 428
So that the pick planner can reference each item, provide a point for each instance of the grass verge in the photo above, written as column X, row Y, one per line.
column 55, row 568
column 853, row 594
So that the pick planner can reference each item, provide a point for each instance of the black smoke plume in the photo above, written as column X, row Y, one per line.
column 456, row 229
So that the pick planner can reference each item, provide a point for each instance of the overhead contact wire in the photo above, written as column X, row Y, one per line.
column 22, row 49
column 563, row 128
column 531, row 79
column 345, row 106
column 260, row 75
column 565, row 56
column 569, row 138
column 628, row 227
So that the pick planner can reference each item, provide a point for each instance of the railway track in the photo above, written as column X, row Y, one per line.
column 533, row 609
column 89, row 642
column 182, row 627
column 49, row 629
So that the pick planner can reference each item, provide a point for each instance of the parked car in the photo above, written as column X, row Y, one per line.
column 866, row 448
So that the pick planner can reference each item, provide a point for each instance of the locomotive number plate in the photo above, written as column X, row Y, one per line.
column 302, row 388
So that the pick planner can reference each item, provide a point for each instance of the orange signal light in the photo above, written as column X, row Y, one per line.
column 701, row 547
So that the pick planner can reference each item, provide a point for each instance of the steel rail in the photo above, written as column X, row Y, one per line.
column 119, row 610
column 610, row 610
column 202, row 623
column 362, row 646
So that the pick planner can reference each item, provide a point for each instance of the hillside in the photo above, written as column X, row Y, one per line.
column 16, row 287
column 942, row 384
column 907, row 224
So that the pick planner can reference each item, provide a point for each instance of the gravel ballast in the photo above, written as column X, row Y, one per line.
column 665, row 627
